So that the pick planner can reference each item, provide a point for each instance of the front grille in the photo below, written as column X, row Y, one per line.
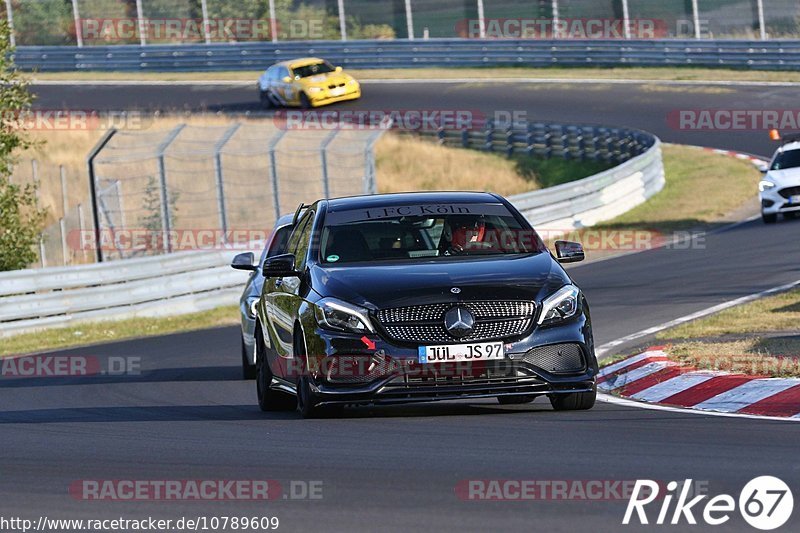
column 789, row 191
column 557, row 358
column 494, row 320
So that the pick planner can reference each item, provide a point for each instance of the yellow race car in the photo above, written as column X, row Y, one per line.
column 306, row 83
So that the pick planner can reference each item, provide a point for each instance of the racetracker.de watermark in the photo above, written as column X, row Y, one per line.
column 554, row 489
column 734, row 119
column 74, row 119
column 565, row 28
column 47, row 366
column 427, row 120
column 134, row 490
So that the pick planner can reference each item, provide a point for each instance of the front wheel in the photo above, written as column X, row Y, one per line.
column 769, row 219
column 268, row 398
column 305, row 103
column 266, row 101
column 576, row 401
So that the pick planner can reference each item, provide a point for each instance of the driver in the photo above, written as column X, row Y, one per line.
column 462, row 232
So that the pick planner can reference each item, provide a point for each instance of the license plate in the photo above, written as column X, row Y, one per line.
column 794, row 200
column 339, row 91
column 488, row 351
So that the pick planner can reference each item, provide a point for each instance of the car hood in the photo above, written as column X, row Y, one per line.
column 527, row 277
column 784, row 178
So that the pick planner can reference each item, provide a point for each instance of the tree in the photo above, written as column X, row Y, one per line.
column 20, row 218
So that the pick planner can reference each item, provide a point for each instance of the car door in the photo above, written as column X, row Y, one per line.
column 283, row 298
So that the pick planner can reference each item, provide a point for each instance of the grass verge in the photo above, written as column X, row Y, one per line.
column 406, row 163
column 676, row 73
column 101, row 332
column 759, row 338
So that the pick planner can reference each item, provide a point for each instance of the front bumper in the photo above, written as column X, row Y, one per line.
column 391, row 372
column 772, row 202
column 324, row 97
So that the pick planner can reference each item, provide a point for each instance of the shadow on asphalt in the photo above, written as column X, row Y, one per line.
column 200, row 373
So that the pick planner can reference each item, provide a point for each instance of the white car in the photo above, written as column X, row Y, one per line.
column 779, row 189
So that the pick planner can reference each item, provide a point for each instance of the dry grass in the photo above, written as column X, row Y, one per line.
column 408, row 164
column 774, row 357
column 677, row 73
column 775, row 313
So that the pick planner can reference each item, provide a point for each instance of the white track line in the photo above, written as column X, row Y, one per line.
column 605, row 348
column 670, row 387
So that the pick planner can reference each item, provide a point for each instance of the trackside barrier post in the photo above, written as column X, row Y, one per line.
column 93, row 189
column 323, row 153
column 166, row 216
column 218, row 175
column 273, row 172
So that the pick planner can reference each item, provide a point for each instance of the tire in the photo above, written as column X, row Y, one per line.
column 577, row 401
column 307, row 402
column 268, row 399
column 769, row 219
column 248, row 370
column 305, row 103
column 515, row 400
column 266, row 101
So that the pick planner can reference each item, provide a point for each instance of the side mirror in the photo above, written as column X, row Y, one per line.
column 280, row 266
column 339, row 69
column 244, row 262
column 763, row 167
column 569, row 252
column 286, row 79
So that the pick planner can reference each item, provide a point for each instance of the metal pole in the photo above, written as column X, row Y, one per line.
column 81, row 229
column 41, row 251
column 10, row 16
column 78, row 29
column 326, row 185
column 35, row 178
column 555, row 17
column 481, row 20
column 409, row 20
column 626, row 19
column 223, row 216
column 166, row 216
column 93, row 189
column 273, row 22
column 64, row 199
column 273, row 175
column 342, row 21
column 762, row 25
column 206, row 28
column 63, row 230
column 696, row 19
column 141, row 23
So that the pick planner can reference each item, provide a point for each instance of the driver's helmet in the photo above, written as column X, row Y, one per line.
column 462, row 230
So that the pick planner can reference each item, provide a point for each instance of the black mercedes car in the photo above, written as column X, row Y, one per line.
column 419, row 297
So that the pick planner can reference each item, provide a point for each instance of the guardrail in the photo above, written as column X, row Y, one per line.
column 639, row 175
column 193, row 281
column 773, row 55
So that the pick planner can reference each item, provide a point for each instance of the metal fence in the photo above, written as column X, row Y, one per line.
column 105, row 22
column 764, row 55
column 192, row 187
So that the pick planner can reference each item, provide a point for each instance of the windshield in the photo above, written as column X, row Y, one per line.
column 313, row 70
column 788, row 159
column 424, row 232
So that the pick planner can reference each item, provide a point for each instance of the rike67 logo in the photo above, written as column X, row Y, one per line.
column 765, row 503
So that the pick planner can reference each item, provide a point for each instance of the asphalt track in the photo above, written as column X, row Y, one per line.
column 188, row 416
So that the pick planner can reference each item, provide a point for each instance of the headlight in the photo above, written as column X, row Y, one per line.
column 314, row 90
column 250, row 305
column 561, row 305
column 764, row 185
column 341, row 316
